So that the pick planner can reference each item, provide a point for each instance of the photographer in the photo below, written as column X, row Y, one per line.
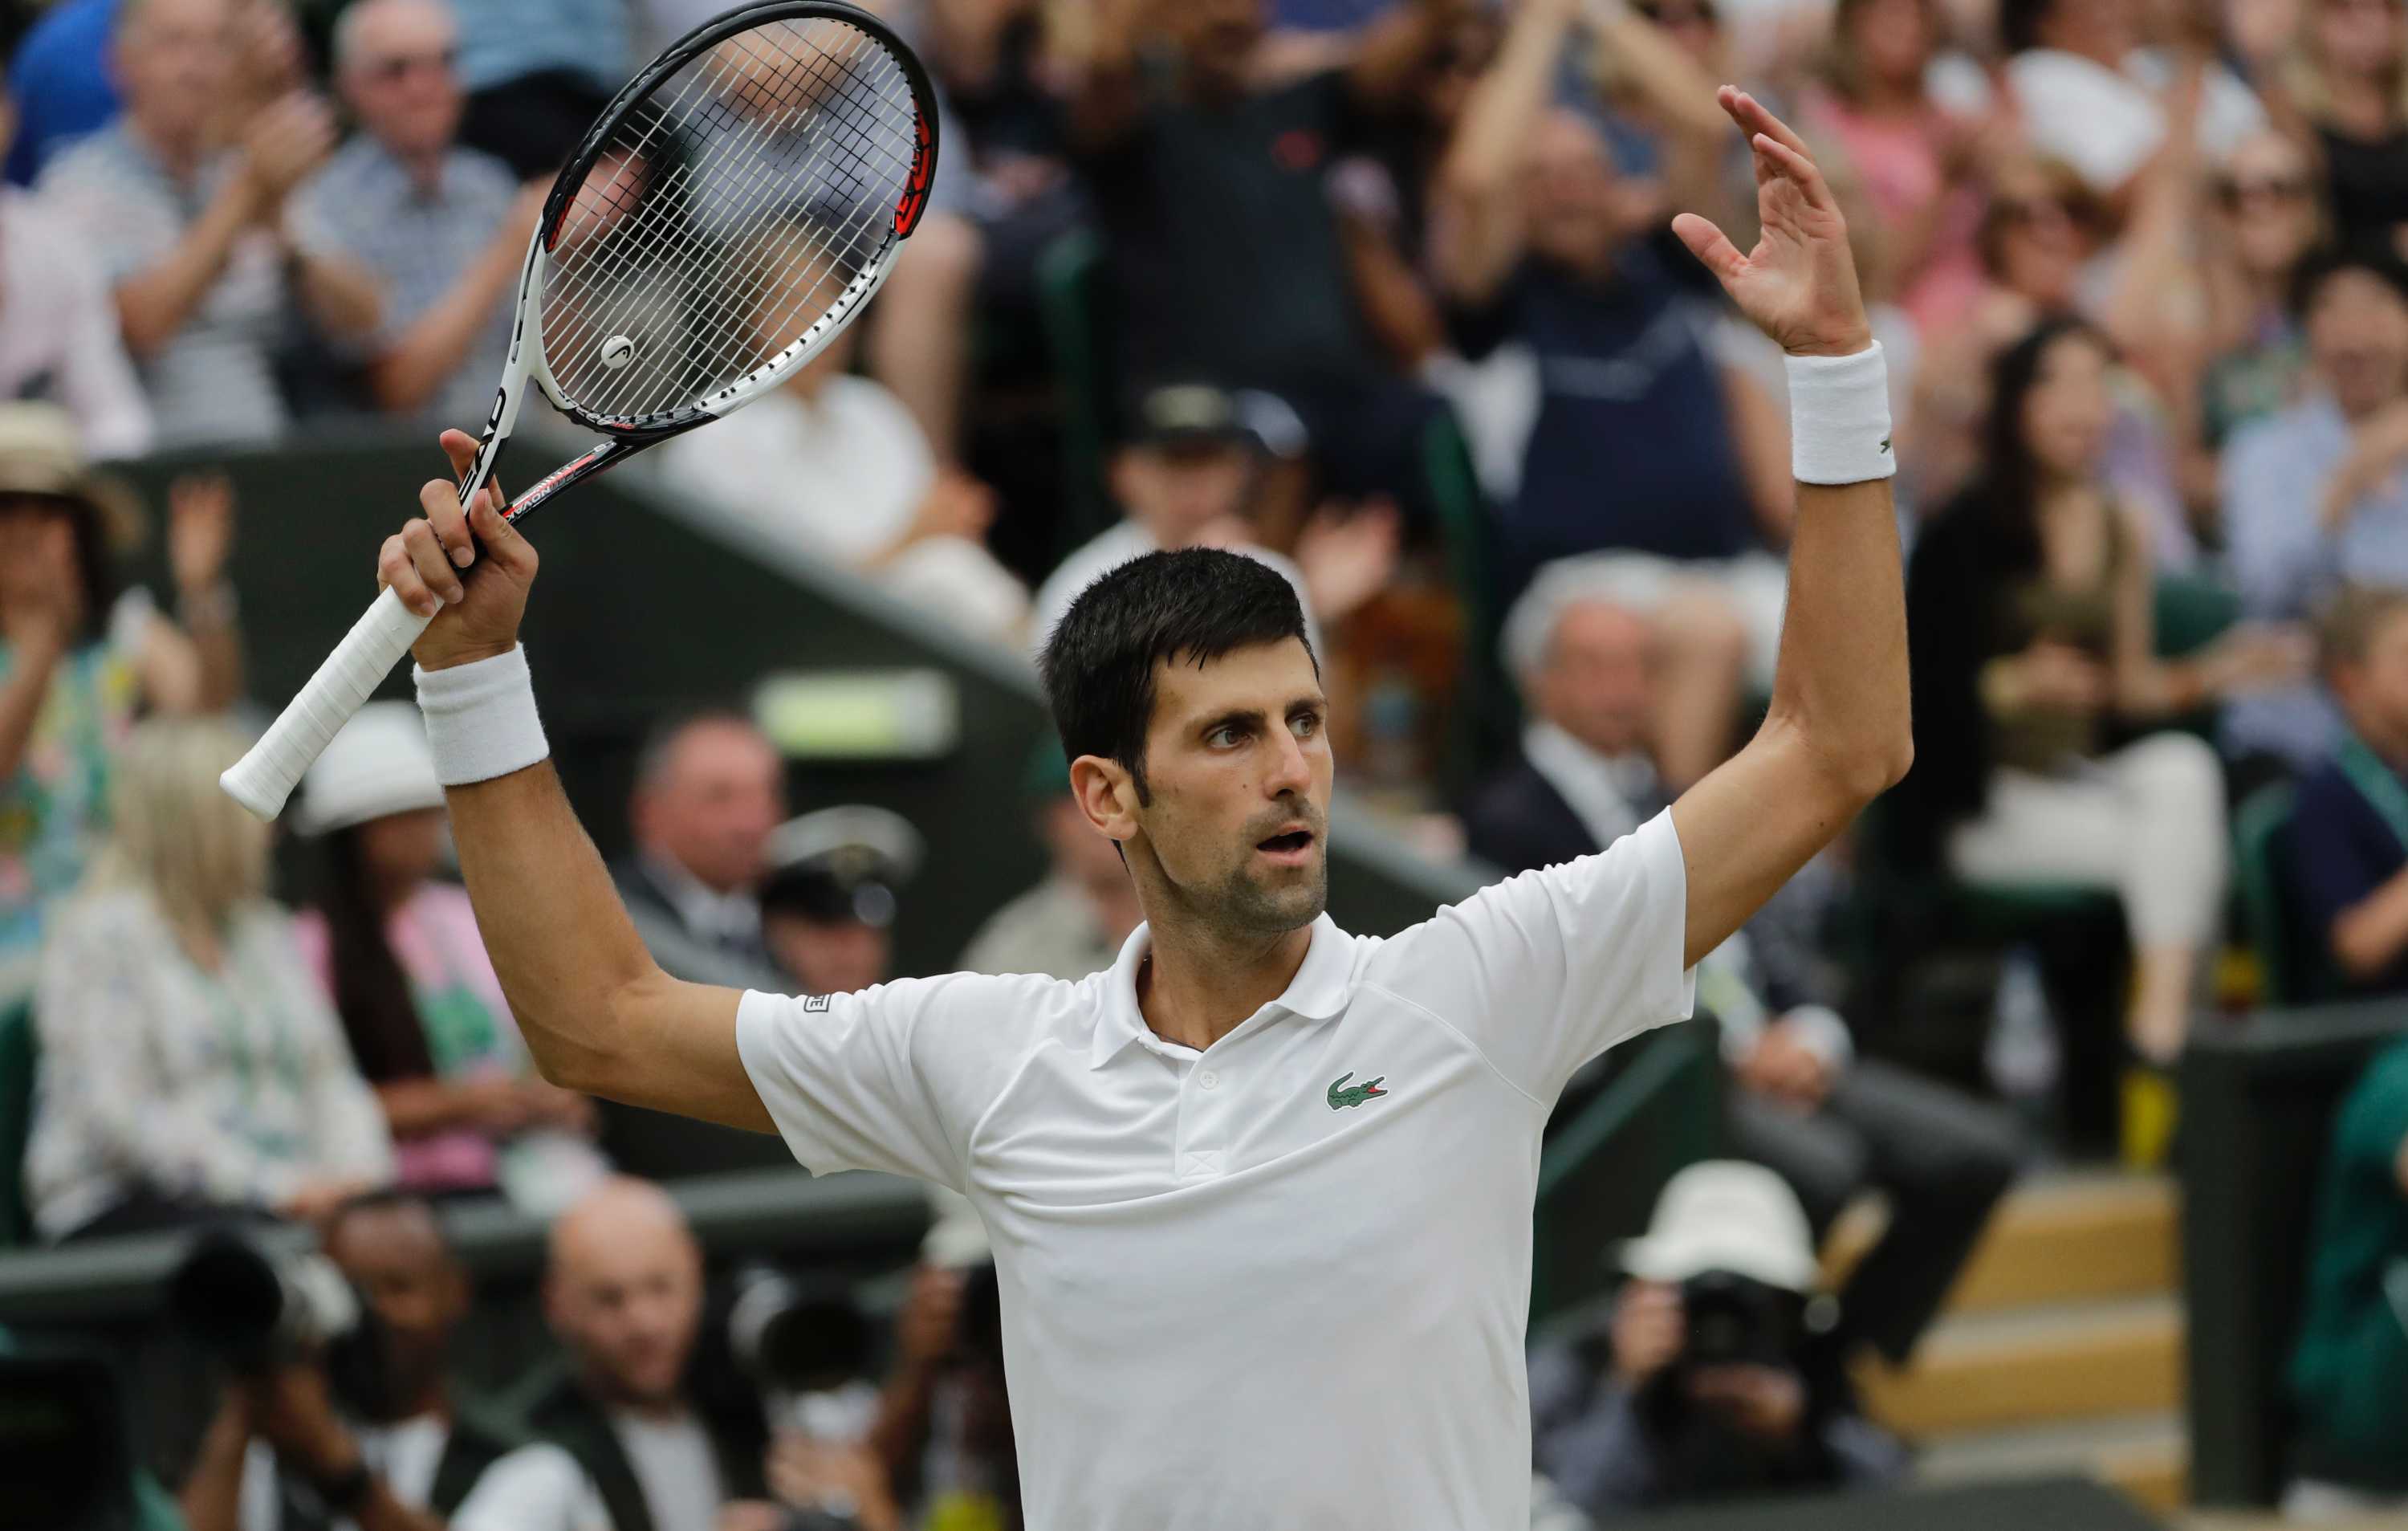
column 1706, row 1381
column 943, row 1432
column 366, row 1430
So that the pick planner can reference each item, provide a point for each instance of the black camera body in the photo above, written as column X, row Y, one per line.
column 1735, row 1319
column 256, row 1307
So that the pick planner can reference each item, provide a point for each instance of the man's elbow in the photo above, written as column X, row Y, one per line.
column 1867, row 772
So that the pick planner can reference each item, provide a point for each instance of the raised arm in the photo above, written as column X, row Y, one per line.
column 598, row 1014
column 1477, row 231
column 1837, row 733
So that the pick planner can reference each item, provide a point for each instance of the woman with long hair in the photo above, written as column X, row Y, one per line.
column 2265, row 220
column 2346, row 85
column 190, row 1067
column 398, row 953
column 2037, row 687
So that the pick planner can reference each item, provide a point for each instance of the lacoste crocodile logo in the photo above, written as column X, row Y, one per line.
column 1339, row 1099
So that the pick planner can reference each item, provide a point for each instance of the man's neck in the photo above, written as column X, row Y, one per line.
column 179, row 152
column 425, row 168
column 1196, row 986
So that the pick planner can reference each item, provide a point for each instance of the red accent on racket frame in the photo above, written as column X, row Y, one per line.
column 915, row 190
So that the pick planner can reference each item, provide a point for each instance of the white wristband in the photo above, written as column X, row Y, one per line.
column 1839, row 418
column 480, row 718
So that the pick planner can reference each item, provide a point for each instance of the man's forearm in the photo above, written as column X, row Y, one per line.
column 154, row 303
column 432, row 348
column 559, row 938
column 2371, row 934
column 1841, row 682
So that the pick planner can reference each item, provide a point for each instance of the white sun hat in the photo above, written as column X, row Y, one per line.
column 380, row 764
column 1726, row 1216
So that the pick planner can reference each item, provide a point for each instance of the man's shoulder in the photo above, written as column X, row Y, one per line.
column 105, row 157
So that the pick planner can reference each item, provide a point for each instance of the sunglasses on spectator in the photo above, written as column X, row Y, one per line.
column 1677, row 15
column 2237, row 194
column 400, row 66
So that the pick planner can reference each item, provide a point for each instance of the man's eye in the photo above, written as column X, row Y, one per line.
column 1225, row 736
column 1306, row 724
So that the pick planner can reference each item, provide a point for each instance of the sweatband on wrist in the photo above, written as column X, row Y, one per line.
column 1839, row 418
column 480, row 718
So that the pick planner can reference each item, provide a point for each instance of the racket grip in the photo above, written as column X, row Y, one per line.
column 263, row 778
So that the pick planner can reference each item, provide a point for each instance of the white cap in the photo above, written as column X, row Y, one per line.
column 1726, row 1216
column 380, row 764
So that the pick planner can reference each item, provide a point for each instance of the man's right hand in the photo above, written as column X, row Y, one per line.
column 286, row 141
column 432, row 565
column 1649, row 1329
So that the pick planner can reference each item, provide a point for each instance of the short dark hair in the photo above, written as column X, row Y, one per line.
column 1196, row 604
column 389, row 1199
column 2319, row 267
column 2020, row 21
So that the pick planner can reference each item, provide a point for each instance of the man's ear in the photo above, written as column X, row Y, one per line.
column 1106, row 793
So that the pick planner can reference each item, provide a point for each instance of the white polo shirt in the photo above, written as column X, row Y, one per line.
column 1281, row 1282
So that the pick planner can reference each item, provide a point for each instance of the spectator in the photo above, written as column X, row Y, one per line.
column 1831, row 1124
column 399, row 955
column 1073, row 922
column 444, row 229
column 2088, row 92
column 1540, row 241
column 2348, row 79
column 2315, row 495
column 2267, row 222
column 1921, row 165
column 625, row 1446
column 943, row 1428
column 828, row 902
column 2029, row 614
column 277, row 1443
column 537, row 74
column 1705, row 1382
column 1225, row 261
column 2348, row 843
column 1183, row 481
column 58, row 329
column 59, row 76
column 835, row 465
column 2350, row 1363
column 708, row 790
column 190, row 233
column 78, row 658
column 189, row 1065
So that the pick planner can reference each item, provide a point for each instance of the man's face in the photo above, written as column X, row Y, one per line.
column 172, row 61
column 1238, row 770
column 719, row 794
column 1578, row 210
column 627, row 1302
column 2103, row 30
column 1595, row 685
column 2374, row 691
column 1180, row 492
column 2358, row 334
column 829, row 957
column 400, row 78
column 397, row 1257
column 1216, row 36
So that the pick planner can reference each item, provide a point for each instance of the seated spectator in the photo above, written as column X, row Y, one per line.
column 444, row 229
column 1706, row 1380
column 190, row 233
column 59, row 77
column 399, row 955
column 1073, row 922
column 1183, row 479
column 2314, row 495
column 2029, row 616
column 2346, row 83
column 827, row 900
column 2349, row 832
column 397, row 1441
column 78, row 658
column 1224, row 255
column 624, row 1445
column 708, row 790
column 1831, row 1124
column 58, row 328
column 2088, row 92
column 2266, row 223
column 2349, row 1367
column 190, row 1065
column 835, row 465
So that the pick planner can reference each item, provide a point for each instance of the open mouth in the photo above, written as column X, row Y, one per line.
column 1292, row 843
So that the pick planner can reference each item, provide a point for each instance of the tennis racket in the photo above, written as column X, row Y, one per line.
column 731, row 210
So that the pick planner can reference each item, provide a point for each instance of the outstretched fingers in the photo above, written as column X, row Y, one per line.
column 1710, row 245
column 1793, row 166
column 1753, row 117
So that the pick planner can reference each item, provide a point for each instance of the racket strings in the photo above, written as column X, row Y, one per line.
column 721, row 221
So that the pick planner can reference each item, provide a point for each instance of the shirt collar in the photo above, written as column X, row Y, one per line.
column 1611, row 795
column 718, row 917
column 1317, row 992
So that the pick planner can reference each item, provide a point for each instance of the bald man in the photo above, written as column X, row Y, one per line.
column 627, row 1450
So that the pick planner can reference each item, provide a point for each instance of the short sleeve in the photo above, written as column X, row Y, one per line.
column 1544, row 971
column 887, row 1078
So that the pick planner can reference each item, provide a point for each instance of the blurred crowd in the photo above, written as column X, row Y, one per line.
column 1382, row 292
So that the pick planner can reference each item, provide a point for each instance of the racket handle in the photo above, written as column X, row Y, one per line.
column 262, row 779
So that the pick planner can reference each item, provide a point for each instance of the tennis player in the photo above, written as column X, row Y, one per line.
column 1260, row 1194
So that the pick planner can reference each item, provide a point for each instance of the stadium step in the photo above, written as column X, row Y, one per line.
column 2146, row 1456
column 2061, row 1238
column 2033, row 1366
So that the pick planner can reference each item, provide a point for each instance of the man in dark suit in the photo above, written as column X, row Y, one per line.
column 1804, row 1107
column 708, row 790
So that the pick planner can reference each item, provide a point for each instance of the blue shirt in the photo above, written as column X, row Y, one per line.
column 59, row 82
column 502, row 40
column 2341, row 849
column 2285, row 563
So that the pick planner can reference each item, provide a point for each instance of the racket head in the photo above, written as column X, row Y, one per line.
column 732, row 208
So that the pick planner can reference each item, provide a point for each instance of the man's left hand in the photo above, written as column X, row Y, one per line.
column 1782, row 1065
column 1798, row 284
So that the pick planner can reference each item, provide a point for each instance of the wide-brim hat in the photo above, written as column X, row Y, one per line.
column 1722, row 1215
column 378, row 766
column 41, row 453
